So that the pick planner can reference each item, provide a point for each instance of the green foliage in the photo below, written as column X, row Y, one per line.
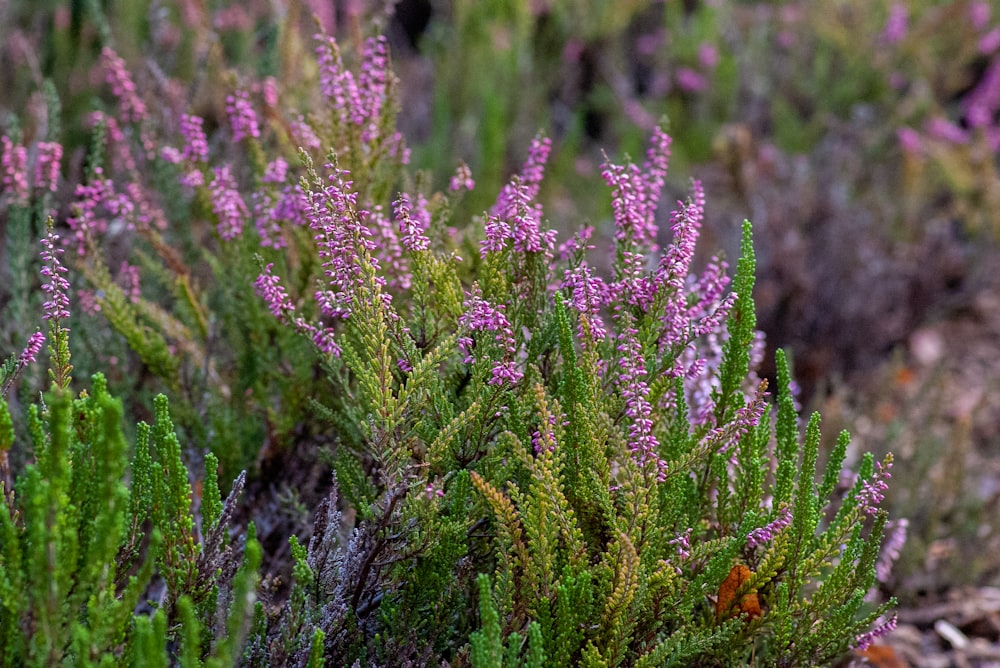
column 595, row 466
column 78, row 554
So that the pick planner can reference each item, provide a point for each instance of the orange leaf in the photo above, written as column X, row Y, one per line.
column 882, row 656
column 726, row 605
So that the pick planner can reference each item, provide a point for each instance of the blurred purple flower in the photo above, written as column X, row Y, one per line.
column 690, row 81
column 708, row 55
column 227, row 203
column 242, row 117
column 195, row 142
column 982, row 103
column 897, row 24
column 990, row 42
column 14, row 165
column 462, row 179
column 131, row 108
column 895, row 539
column 910, row 140
column 941, row 128
column 979, row 14
column 47, row 165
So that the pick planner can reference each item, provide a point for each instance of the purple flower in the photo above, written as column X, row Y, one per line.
column 480, row 315
column 227, row 203
column 982, row 103
column 131, row 108
column 85, row 221
column 990, row 42
column 462, row 179
column 57, row 287
column 897, row 24
column 882, row 628
column 979, row 14
column 47, row 165
column 588, row 295
column 722, row 439
column 304, row 135
column 128, row 277
column 412, row 223
column 942, row 128
column 873, row 491
column 910, row 140
column 635, row 195
column 373, row 85
column 15, row 176
column 195, row 142
column 32, row 348
column 892, row 549
column 690, row 81
column 766, row 534
column 708, row 55
column 635, row 391
column 242, row 117
column 515, row 216
column 269, row 288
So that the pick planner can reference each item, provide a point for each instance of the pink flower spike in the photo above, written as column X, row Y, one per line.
column 14, row 166
column 227, row 203
column 131, row 108
column 242, row 117
column 47, row 166
column 56, row 287
column 32, row 348
column 195, row 142
column 462, row 179
column 269, row 288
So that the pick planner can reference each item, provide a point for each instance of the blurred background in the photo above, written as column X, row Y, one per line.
column 860, row 137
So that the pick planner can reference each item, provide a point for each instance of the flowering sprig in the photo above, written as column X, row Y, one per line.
column 131, row 108
column 13, row 163
column 766, row 533
column 480, row 315
column 873, row 490
column 635, row 391
column 228, row 204
column 242, row 117
column 56, row 287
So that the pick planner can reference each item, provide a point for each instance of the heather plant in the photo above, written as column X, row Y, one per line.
column 82, row 552
column 536, row 461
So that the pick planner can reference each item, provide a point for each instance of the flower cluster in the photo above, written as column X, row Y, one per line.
column 873, row 491
column 14, row 166
column 47, row 165
column 636, row 193
column 57, row 287
column 242, row 117
column 766, row 533
column 31, row 349
column 228, row 204
column 635, row 391
column 864, row 640
column 131, row 108
column 516, row 217
column 480, row 315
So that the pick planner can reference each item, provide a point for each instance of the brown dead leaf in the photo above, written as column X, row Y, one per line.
column 882, row 656
column 726, row 606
